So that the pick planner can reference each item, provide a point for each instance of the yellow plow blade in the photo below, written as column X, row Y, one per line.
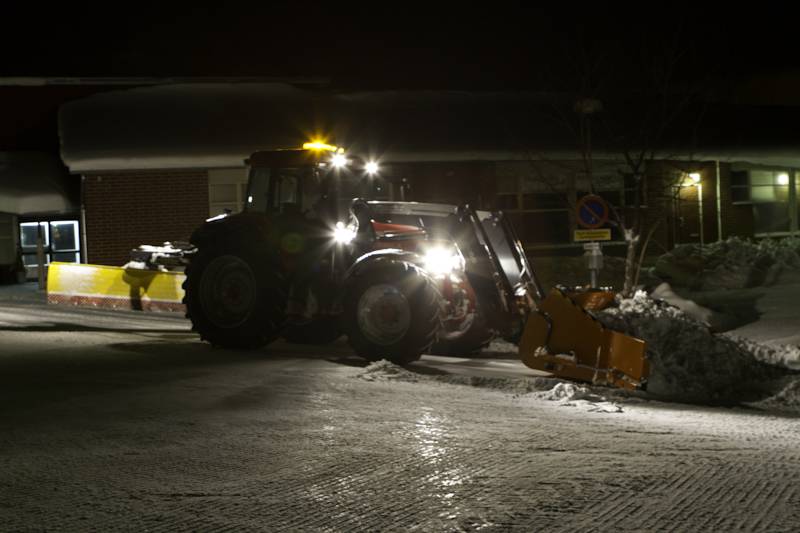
column 563, row 339
column 114, row 287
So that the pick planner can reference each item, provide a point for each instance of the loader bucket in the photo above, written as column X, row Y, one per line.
column 560, row 337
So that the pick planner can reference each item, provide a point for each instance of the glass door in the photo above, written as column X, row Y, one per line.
column 60, row 242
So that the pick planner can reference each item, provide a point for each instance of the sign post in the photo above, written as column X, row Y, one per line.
column 592, row 215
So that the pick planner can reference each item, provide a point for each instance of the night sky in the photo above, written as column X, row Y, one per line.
column 395, row 45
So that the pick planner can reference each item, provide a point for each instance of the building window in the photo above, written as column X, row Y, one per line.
column 227, row 190
column 633, row 195
column 740, row 187
column 767, row 191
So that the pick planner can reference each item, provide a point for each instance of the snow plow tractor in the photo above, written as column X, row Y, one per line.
column 322, row 249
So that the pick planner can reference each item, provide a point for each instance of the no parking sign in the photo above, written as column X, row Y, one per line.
column 592, row 211
column 592, row 214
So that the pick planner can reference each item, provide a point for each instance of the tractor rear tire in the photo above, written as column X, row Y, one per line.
column 393, row 311
column 234, row 296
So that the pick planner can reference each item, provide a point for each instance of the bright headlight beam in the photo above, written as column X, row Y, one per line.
column 372, row 167
column 440, row 261
column 339, row 160
column 343, row 234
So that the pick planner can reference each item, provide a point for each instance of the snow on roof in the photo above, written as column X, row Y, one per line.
column 34, row 183
column 221, row 124
column 208, row 125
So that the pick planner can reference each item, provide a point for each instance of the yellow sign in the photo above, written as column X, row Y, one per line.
column 583, row 235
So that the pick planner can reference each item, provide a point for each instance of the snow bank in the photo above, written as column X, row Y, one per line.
column 734, row 263
column 689, row 363
column 787, row 397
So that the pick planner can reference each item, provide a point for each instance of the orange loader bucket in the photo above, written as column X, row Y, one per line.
column 560, row 337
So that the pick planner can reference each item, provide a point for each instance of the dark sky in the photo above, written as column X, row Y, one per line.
column 394, row 45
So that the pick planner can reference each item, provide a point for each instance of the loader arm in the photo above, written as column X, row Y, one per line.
column 559, row 335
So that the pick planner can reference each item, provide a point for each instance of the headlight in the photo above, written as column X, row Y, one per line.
column 344, row 234
column 441, row 260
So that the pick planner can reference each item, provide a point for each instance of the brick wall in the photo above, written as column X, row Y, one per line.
column 126, row 209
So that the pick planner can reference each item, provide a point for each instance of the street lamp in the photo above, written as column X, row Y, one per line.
column 694, row 180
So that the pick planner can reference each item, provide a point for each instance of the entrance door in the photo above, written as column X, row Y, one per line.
column 60, row 241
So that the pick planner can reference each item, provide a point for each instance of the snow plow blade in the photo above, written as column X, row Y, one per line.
column 114, row 287
column 560, row 337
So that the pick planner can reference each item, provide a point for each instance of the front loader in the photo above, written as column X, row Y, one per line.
column 323, row 248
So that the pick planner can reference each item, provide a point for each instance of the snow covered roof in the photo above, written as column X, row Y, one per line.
column 34, row 183
column 221, row 124
column 208, row 125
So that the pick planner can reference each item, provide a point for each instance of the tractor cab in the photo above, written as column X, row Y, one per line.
column 318, row 182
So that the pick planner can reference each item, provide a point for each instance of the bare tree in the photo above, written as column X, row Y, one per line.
column 632, row 110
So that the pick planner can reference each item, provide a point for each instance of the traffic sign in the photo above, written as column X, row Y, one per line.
column 586, row 235
column 592, row 211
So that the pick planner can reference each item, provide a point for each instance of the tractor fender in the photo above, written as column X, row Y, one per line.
column 245, row 227
column 378, row 258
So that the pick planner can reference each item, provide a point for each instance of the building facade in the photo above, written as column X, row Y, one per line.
column 154, row 163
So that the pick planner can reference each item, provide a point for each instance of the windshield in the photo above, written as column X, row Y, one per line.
column 316, row 191
column 282, row 189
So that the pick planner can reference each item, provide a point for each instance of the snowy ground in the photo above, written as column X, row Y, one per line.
column 124, row 421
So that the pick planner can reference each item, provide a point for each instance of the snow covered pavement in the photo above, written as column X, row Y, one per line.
column 124, row 421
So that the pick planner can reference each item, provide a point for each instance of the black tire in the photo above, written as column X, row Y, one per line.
column 472, row 341
column 317, row 330
column 234, row 296
column 413, row 308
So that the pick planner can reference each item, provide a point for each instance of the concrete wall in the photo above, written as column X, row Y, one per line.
column 124, row 210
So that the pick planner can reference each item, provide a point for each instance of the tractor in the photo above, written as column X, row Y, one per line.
column 323, row 249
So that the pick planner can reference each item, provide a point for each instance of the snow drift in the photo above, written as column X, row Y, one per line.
column 734, row 263
column 690, row 363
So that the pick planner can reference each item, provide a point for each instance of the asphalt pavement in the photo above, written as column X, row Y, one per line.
column 116, row 420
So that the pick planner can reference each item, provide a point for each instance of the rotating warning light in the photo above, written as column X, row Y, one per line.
column 320, row 146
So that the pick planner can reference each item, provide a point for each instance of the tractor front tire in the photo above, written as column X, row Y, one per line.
column 234, row 297
column 392, row 310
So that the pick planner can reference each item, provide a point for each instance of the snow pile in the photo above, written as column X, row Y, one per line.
column 384, row 370
column 565, row 391
column 165, row 257
column 141, row 265
column 786, row 399
column 784, row 355
column 734, row 263
column 571, row 395
column 688, row 362
column 500, row 348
